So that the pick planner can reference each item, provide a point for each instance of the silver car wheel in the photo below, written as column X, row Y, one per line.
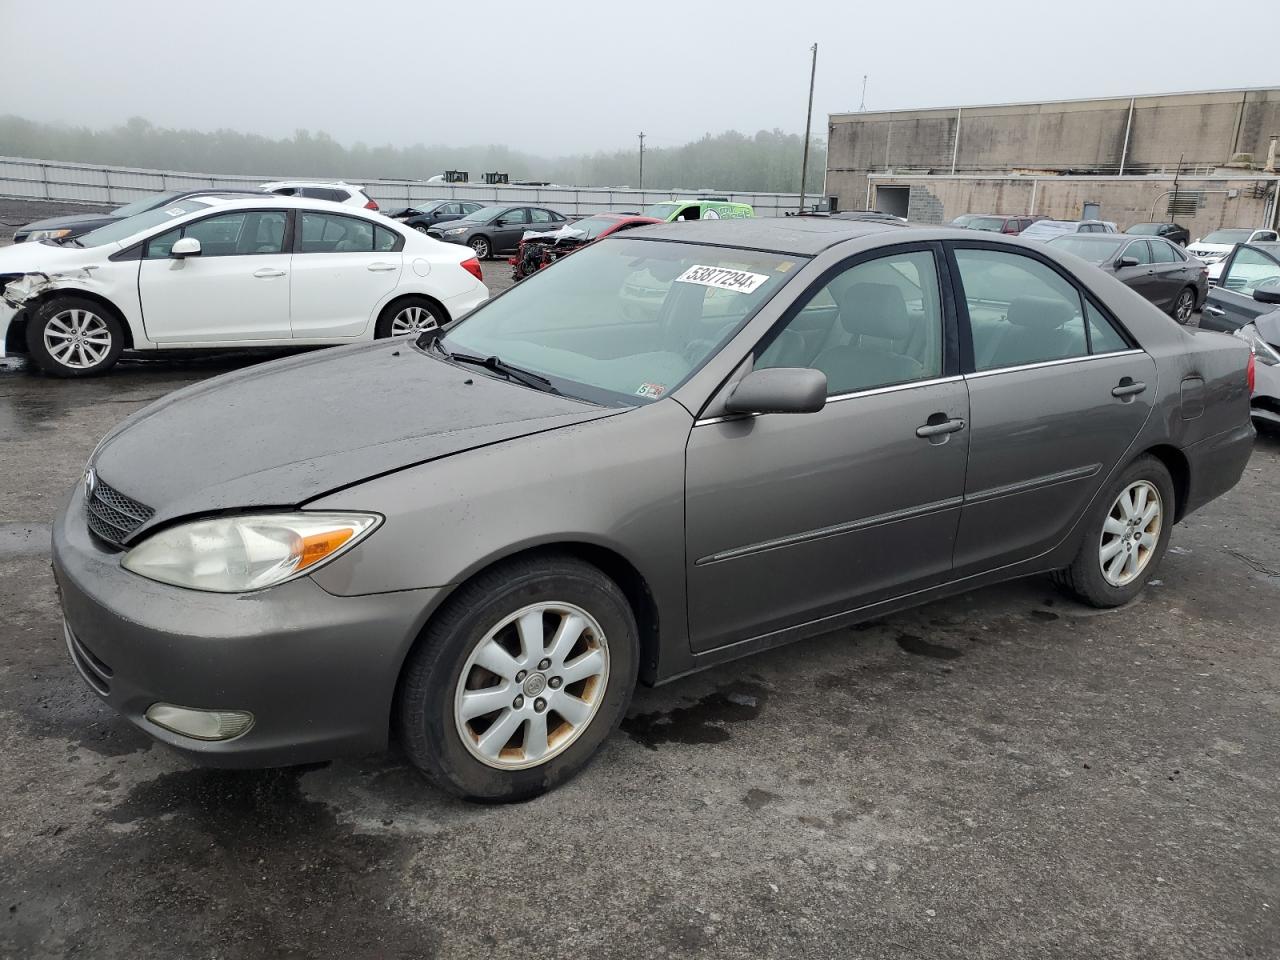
column 79, row 339
column 1186, row 302
column 481, row 246
column 532, row 685
column 1130, row 533
column 413, row 319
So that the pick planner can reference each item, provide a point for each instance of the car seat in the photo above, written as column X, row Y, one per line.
column 875, row 317
column 1036, row 333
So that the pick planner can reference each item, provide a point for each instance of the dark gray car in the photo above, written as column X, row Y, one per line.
column 1153, row 267
column 675, row 448
column 498, row 229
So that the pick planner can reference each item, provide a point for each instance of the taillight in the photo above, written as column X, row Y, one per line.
column 1249, row 372
column 472, row 267
column 371, row 205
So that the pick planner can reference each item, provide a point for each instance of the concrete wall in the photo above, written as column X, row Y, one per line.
column 1080, row 136
column 1125, row 200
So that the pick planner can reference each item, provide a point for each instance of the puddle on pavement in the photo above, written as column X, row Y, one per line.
column 920, row 647
column 701, row 722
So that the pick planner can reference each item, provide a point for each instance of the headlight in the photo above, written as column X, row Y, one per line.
column 238, row 554
column 1263, row 351
column 455, row 231
column 47, row 234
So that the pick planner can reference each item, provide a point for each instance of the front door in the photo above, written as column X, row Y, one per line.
column 1231, row 304
column 236, row 289
column 343, row 268
column 1141, row 279
column 509, row 228
column 1057, row 393
column 793, row 518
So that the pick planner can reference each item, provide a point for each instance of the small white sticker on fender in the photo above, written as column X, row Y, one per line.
column 722, row 278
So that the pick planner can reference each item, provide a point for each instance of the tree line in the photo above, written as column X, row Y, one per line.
column 768, row 161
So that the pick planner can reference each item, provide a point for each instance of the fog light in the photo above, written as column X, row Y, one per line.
column 200, row 724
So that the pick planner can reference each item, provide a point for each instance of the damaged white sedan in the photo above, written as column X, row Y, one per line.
column 225, row 272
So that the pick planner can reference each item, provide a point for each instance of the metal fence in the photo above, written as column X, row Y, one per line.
column 112, row 186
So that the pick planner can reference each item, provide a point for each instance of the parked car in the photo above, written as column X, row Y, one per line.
column 479, row 540
column 1044, row 230
column 704, row 208
column 497, row 229
column 78, row 224
column 1247, row 303
column 335, row 192
column 1173, row 232
column 428, row 212
column 997, row 223
column 1152, row 267
column 538, row 250
column 1214, row 248
column 220, row 271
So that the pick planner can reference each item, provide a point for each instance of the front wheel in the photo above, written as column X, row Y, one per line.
column 420, row 227
column 517, row 682
column 1184, row 305
column 481, row 246
column 74, row 337
column 1126, row 536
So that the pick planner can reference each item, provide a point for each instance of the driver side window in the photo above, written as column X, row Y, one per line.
column 876, row 324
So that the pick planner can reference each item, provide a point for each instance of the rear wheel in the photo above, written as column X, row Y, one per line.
column 517, row 682
column 1126, row 537
column 70, row 336
column 403, row 317
column 1184, row 305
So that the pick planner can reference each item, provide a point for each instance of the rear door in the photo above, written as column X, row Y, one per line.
column 1057, row 393
column 343, row 267
column 236, row 289
column 1231, row 304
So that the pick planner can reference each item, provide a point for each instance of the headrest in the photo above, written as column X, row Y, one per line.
column 873, row 310
column 1039, row 313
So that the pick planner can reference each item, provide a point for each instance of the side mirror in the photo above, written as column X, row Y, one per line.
column 779, row 390
column 1127, row 262
column 186, row 247
column 1267, row 292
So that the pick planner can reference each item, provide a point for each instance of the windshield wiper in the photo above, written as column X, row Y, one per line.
column 495, row 365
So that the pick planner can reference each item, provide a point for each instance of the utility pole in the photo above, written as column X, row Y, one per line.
column 808, row 117
column 863, row 105
column 641, row 159
column 1173, row 201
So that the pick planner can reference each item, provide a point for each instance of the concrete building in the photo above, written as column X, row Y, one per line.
column 1124, row 154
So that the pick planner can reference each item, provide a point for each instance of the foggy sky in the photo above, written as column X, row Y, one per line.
column 569, row 76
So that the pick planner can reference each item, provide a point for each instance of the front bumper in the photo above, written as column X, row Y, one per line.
column 1265, row 403
column 317, row 671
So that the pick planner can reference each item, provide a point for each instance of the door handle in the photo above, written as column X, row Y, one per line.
column 1128, row 388
column 381, row 267
column 1213, row 311
column 941, row 428
column 267, row 272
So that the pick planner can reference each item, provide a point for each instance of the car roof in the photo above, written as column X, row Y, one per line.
column 803, row 236
column 257, row 201
column 275, row 184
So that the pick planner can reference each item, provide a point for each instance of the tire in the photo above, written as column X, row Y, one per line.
column 69, row 336
column 411, row 315
column 1086, row 578
column 420, row 227
column 1183, row 306
column 442, row 669
column 481, row 246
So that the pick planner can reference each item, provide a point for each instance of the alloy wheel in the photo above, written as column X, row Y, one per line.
column 413, row 319
column 481, row 246
column 79, row 339
column 532, row 685
column 1182, row 311
column 1130, row 533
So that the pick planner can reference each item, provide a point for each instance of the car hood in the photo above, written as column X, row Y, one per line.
column 50, row 258
column 1269, row 327
column 78, row 220
column 280, row 434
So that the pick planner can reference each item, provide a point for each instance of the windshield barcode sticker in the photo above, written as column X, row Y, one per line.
column 722, row 278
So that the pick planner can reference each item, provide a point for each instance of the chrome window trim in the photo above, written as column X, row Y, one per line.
column 1054, row 363
column 836, row 398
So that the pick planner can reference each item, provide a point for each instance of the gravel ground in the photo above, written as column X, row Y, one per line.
column 1004, row 774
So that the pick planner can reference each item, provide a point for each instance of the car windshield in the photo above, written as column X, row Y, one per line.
column 484, row 214
column 964, row 219
column 661, row 210
column 1095, row 249
column 1227, row 236
column 624, row 322
column 146, row 203
column 1147, row 229
column 993, row 224
column 592, row 227
column 428, row 206
column 122, row 229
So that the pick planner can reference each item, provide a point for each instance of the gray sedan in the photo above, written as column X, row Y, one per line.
column 675, row 448
column 1152, row 266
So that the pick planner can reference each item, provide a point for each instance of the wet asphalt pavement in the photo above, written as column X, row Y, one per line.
column 1003, row 774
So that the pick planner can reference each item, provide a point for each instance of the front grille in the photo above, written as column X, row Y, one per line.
column 96, row 673
column 113, row 516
